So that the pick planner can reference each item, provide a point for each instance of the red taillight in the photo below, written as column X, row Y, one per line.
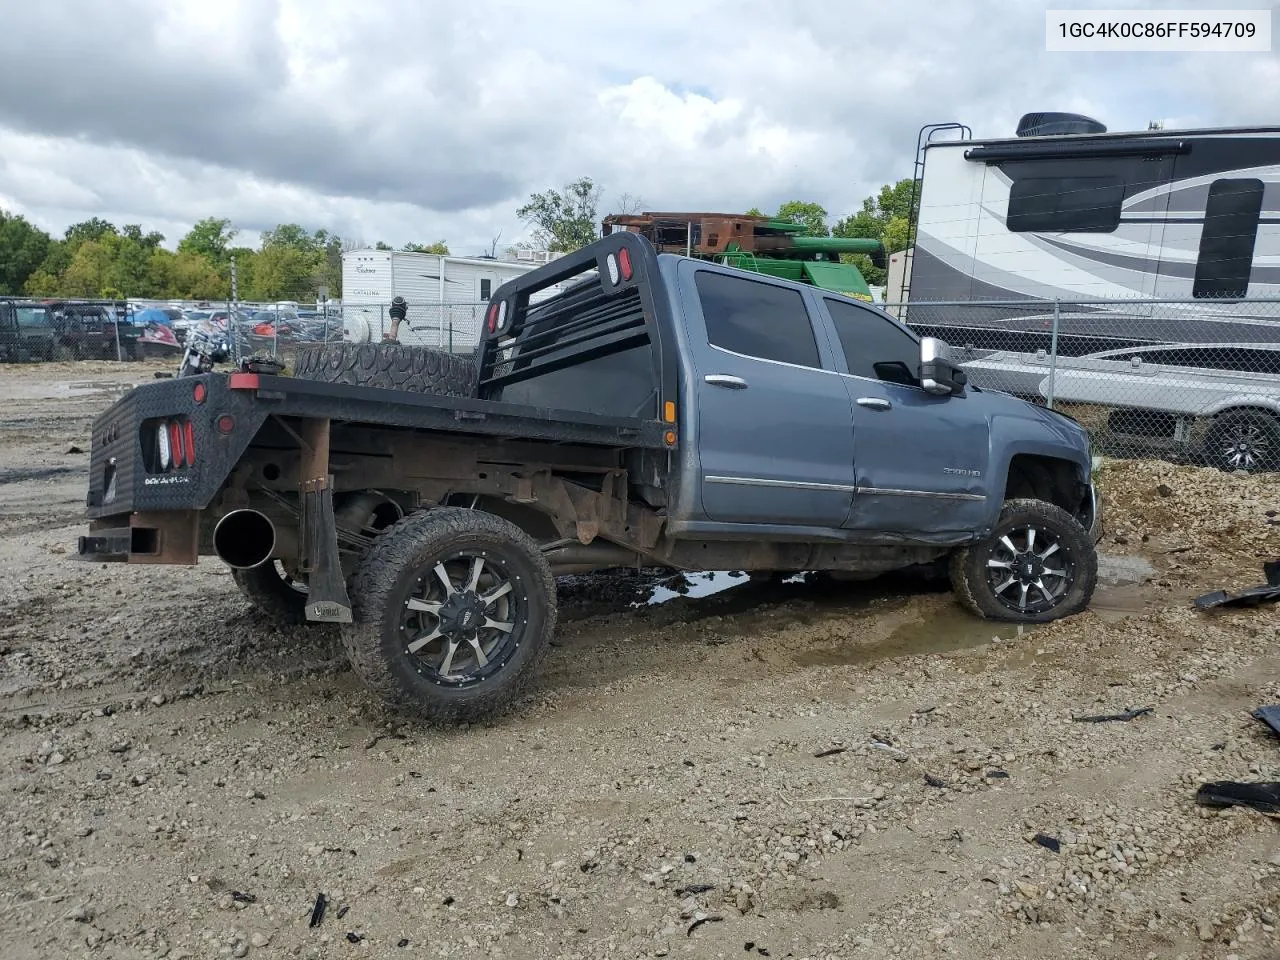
column 198, row 393
column 624, row 263
column 491, row 320
column 226, row 423
column 189, row 441
column 175, row 443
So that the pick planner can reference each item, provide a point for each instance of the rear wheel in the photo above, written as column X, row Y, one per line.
column 1037, row 565
column 274, row 592
column 1244, row 440
column 452, row 611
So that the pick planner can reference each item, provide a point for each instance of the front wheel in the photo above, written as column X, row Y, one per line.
column 1037, row 565
column 452, row 611
column 1243, row 440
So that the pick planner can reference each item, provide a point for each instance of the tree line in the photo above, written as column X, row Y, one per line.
column 96, row 258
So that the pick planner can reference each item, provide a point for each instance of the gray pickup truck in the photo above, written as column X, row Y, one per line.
column 656, row 411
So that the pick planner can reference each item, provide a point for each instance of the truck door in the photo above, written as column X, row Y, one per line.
column 774, row 433
column 920, row 461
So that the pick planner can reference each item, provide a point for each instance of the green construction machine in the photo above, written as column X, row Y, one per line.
column 778, row 248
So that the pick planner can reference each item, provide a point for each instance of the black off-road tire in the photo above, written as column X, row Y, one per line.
column 390, row 572
column 392, row 366
column 1243, row 440
column 969, row 571
column 266, row 587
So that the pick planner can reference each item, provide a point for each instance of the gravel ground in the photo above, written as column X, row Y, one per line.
column 793, row 770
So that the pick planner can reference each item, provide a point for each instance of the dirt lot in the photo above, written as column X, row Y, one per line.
column 776, row 771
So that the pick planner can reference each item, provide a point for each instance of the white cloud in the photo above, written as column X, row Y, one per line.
column 388, row 120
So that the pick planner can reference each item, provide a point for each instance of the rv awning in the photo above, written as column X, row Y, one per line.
column 1061, row 150
column 840, row 277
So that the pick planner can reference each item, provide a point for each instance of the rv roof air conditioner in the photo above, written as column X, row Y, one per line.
column 1057, row 124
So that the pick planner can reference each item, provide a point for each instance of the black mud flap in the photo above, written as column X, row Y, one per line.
column 1252, row 597
column 327, row 600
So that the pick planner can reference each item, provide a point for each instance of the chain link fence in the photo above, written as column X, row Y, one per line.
column 34, row 330
column 1190, row 381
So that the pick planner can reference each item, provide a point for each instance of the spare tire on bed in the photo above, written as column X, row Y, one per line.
column 392, row 366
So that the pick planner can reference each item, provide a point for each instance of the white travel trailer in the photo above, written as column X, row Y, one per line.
column 1065, row 210
column 446, row 296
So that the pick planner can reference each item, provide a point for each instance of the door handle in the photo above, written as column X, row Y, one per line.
column 875, row 403
column 725, row 380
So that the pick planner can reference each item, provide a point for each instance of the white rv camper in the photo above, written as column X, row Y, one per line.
column 1065, row 210
column 446, row 296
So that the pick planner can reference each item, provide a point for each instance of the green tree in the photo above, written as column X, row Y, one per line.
column 811, row 215
column 150, row 239
column 382, row 246
column 93, row 229
column 246, row 259
column 564, row 220
column 283, row 272
column 42, row 284
column 439, row 247
column 209, row 238
column 23, row 248
column 755, row 212
column 58, row 258
column 130, row 261
column 194, row 277
column 886, row 217
column 89, row 271
column 291, row 235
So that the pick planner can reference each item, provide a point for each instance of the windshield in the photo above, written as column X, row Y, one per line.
column 32, row 316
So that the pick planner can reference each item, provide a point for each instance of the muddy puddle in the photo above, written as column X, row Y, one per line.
column 949, row 627
column 908, row 619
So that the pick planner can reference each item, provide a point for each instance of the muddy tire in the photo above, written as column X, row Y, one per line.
column 273, row 593
column 392, row 366
column 1243, row 440
column 459, row 653
column 1037, row 565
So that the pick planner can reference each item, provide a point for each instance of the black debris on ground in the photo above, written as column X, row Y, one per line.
column 1124, row 717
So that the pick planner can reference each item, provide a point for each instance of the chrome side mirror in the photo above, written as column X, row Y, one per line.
column 938, row 375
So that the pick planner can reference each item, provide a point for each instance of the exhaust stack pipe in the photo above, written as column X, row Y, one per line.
column 244, row 539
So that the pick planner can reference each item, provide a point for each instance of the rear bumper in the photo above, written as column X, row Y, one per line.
column 168, row 536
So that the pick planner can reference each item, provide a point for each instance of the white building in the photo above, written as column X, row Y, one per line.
column 446, row 296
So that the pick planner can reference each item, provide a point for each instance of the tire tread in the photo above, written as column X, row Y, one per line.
column 374, row 584
column 391, row 366
column 969, row 583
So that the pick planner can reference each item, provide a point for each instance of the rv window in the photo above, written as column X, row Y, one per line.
column 757, row 319
column 486, row 288
column 1235, row 358
column 1065, row 204
column 874, row 347
column 1227, row 241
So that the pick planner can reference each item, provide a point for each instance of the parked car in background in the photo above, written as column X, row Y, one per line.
column 1214, row 403
column 92, row 331
column 26, row 332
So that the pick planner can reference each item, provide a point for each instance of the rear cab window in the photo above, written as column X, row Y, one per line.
column 758, row 320
column 874, row 346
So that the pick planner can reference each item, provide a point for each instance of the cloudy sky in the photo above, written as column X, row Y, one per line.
column 404, row 120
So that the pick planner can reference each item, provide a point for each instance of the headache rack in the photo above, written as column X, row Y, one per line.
column 610, row 308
